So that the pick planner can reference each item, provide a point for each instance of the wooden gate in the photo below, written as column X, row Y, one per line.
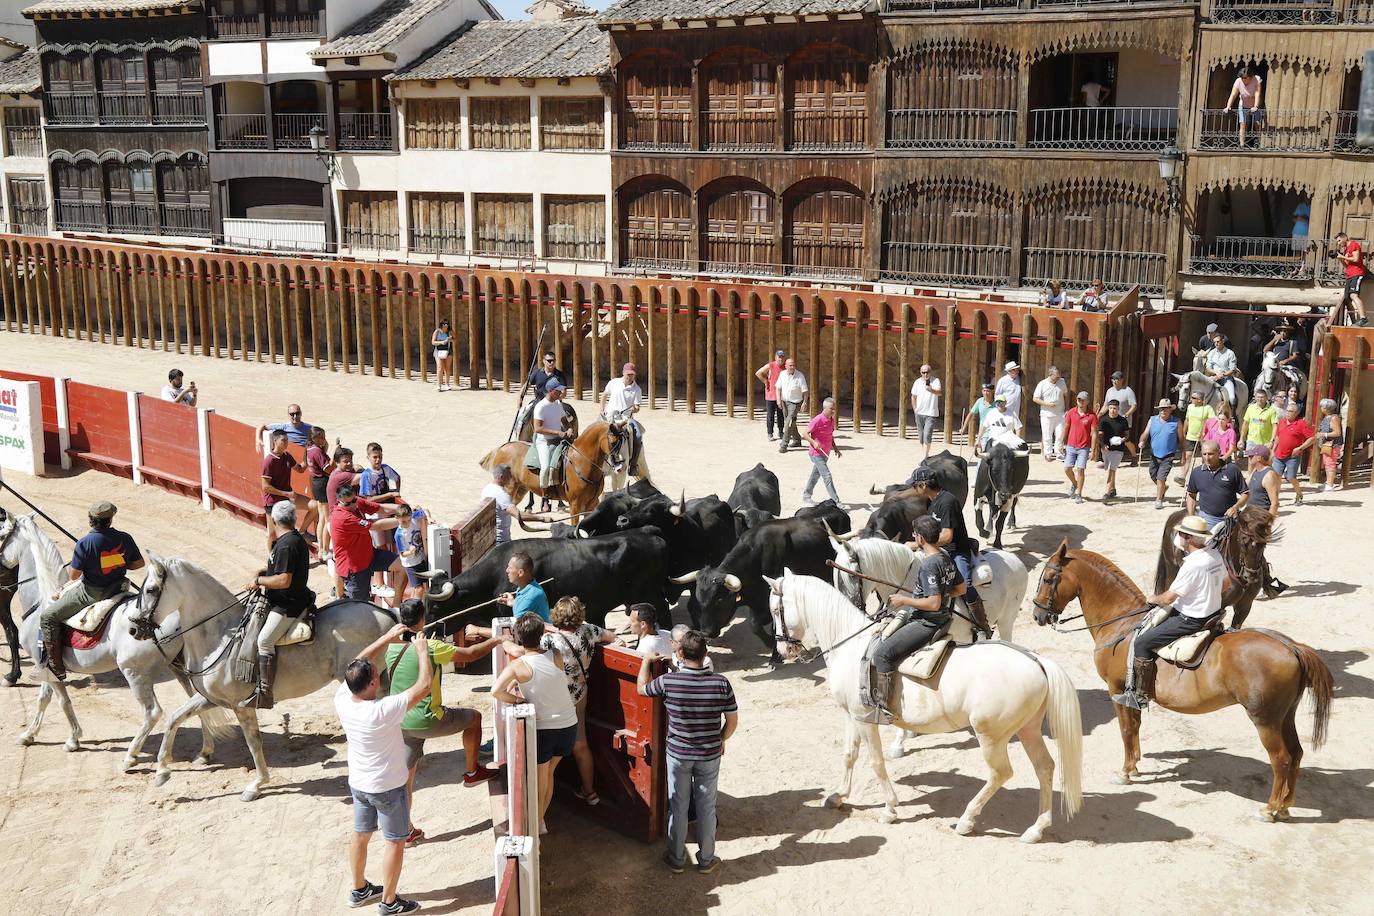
column 1157, row 358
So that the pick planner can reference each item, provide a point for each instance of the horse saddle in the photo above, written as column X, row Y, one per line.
column 926, row 662
column 91, row 619
column 1186, row 651
column 303, row 630
column 559, row 452
column 922, row 664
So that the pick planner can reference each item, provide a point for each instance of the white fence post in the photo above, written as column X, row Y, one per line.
column 521, row 719
column 501, row 626
column 439, row 546
column 203, row 435
column 135, row 440
column 64, row 423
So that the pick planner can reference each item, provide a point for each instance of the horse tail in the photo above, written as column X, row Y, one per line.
column 489, row 458
column 215, row 720
column 1066, row 724
column 1316, row 676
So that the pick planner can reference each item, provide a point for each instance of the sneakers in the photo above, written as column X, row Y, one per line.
column 399, row 905
column 1073, row 491
column 1110, row 494
column 807, row 502
column 487, row 748
column 708, row 866
column 674, row 867
column 1159, row 504
column 1078, row 497
column 362, row 896
column 479, row 776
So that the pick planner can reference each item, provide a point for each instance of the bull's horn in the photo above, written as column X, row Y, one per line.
column 873, row 490
column 845, row 537
column 581, row 533
column 429, row 574
column 443, row 592
column 680, row 509
column 827, row 528
column 733, row 583
column 531, row 526
column 685, row 580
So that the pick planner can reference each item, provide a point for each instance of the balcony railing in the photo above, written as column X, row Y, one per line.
column 1252, row 256
column 656, row 251
column 1284, row 129
column 951, row 128
column 275, row 234
column 371, row 239
column 133, row 216
column 1118, row 129
column 178, row 108
column 23, row 140
column 1276, row 12
column 268, row 25
column 1346, row 123
column 241, row 131
column 293, row 130
column 185, row 219
column 123, row 108
column 949, row 6
column 1077, row 268
column 29, row 220
column 823, row 259
column 364, row 131
column 951, row 263
column 438, row 241
column 79, row 215
column 846, row 128
column 71, row 107
column 672, row 130
column 748, row 130
column 1359, row 12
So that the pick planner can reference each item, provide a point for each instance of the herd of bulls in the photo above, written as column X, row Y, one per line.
column 640, row 545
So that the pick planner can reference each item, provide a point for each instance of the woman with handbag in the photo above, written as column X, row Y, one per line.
column 575, row 641
column 442, row 341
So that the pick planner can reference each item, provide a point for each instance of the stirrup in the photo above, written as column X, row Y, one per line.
column 1131, row 699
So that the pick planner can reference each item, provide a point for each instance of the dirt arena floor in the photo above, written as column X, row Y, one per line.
column 77, row 836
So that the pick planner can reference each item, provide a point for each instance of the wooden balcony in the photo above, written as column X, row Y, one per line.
column 1077, row 268
column 1253, row 257
column 949, row 128
column 947, row 263
column 265, row 25
column 732, row 130
column 649, row 130
column 1275, row 12
column 71, row 107
column 365, row 131
column 123, row 108
column 842, row 129
column 178, row 108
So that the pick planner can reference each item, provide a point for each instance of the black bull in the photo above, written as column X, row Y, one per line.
column 1001, row 476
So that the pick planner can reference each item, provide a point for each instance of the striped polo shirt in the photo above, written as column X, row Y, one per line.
column 696, row 699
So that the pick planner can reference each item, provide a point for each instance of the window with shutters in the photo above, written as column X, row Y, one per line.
column 741, row 100
column 371, row 220
column 123, row 88
column 438, row 223
column 70, row 90
column 572, row 124
column 657, row 227
column 575, row 228
column 499, row 123
column 28, row 206
column 828, row 106
column 825, row 231
column 505, row 224
column 23, row 133
column 178, row 96
column 657, row 109
column 184, row 189
column 434, row 124
column 739, row 232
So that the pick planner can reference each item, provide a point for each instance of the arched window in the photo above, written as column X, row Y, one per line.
column 949, row 230
column 824, row 230
column 959, row 94
column 657, row 229
column 739, row 232
column 70, row 90
column 78, row 196
column 741, row 100
column 658, row 101
column 123, row 84
column 828, row 99
column 178, row 95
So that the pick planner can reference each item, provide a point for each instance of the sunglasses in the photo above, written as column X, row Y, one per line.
column 294, row 413
column 925, row 372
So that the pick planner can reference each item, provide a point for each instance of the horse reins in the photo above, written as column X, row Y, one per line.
column 1048, row 608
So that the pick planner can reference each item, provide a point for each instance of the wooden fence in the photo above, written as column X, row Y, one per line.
column 1343, row 364
column 696, row 343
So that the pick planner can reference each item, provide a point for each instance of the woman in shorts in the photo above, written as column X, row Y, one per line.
column 320, row 465
column 1331, row 441
column 575, row 641
column 442, row 342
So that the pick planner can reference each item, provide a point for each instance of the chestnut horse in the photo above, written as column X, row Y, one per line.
column 1263, row 671
column 1241, row 545
column 602, row 447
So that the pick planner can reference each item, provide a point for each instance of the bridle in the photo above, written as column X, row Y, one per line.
column 143, row 627
column 1051, row 575
column 786, row 638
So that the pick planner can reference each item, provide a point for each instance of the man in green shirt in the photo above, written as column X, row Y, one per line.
column 430, row 718
column 1261, row 419
column 974, row 421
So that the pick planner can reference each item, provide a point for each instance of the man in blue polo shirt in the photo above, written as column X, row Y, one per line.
column 1162, row 435
column 529, row 594
column 1216, row 488
column 296, row 429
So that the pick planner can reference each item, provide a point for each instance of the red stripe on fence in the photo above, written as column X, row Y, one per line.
column 99, row 421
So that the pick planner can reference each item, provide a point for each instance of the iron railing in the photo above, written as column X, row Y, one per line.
column 951, row 128
column 1077, row 267
column 952, row 263
column 654, row 130
column 133, row 216
column 741, row 130
column 365, row 130
column 178, row 108
column 846, row 128
column 729, row 253
column 1344, row 142
column 438, row 241
column 123, row 108
column 71, row 107
column 79, row 215
column 292, row 131
column 949, row 6
column 1275, row 12
column 241, row 131
column 185, row 219
column 265, row 25
column 1283, row 129
column 29, row 220
column 822, row 258
column 656, row 250
column 23, row 140
column 1119, row 129
column 1252, row 256
column 1358, row 12
column 1329, row 271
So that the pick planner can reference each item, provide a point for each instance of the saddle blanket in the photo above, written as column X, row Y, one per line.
column 532, row 456
column 1186, row 651
column 925, row 663
column 92, row 618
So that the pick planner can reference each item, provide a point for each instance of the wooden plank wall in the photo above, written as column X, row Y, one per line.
column 696, row 343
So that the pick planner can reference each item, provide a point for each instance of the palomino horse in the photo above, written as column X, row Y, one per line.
column 998, row 689
column 1263, row 671
column 183, row 598
column 29, row 550
column 1271, row 378
column 603, row 447
column 1213, row 393
column 1241, row 545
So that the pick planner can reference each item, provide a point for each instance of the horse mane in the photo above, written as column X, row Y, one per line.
column 829, row 629
column 47, row 559
column 887, row 554
column 182, row 568
column 1110, row 572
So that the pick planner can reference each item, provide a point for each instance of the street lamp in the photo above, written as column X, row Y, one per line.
column 1169, row 158
column 320, row 147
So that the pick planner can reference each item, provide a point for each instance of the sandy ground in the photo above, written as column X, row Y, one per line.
column 78, row 836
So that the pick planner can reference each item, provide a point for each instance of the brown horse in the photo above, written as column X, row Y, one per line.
column 600, row 448
column 1241, row 545
column 1263, row 671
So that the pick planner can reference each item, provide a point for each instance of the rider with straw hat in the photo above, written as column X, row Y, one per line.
column 1193, row 598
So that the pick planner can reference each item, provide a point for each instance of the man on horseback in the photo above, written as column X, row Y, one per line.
column 284, row 585
column 99, row 566
column 623, row 396
column 933, row 584
column 549, row 431
column 953, row 538
column 1194, row 598
column 1221, row 366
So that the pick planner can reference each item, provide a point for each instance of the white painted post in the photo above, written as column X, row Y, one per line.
column 206, row 466
column 535, row 145
column 64, row 422
column 501, row 626
column 135, row 440
column 439, row 547
column 539, row 247
column 522, row 717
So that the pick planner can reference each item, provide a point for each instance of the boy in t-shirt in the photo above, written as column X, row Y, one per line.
column 411, row 535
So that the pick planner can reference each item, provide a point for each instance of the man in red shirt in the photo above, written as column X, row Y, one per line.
column 1293, row 437
column 768, row 374
column 1349, row 253
column 277, row 466
column 1080, row 425
column 821, row 437
column 355, row 559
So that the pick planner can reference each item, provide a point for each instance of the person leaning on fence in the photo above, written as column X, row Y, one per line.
column 296, row 429
column 529, row 596
column 768, row 374
column 702, row 715
column 575, row 641
column 320, row 465
column 644, row 626
column 539, row 677
column 277, row 466
column 351, row 526
column 175, row 392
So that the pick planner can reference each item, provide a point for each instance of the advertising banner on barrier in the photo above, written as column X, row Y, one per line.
column 21, row 427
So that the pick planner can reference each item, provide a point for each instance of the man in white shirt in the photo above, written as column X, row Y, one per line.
column 549, row 429
column 174, row 392
column 997, row 422
column 644, row 624
column 792, row 393
column 1221, row 365
column 1010, row 386
column 925, row 404
column 377, row 770
column 1195, row 596
column 623, row 396
column 505, row 509
column 1051, row 395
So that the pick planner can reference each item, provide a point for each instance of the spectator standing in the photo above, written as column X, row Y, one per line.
column 1010, row 386
column 497, row 491
column 442, row 342
column 529, row 596
column 792, row 394
column 277, row 466
column 973, row 423
column 1094, row 298
column 820, row 436
column 343, row 473
column 1080, row 431
column 996, row 422
column 1264, row 482
column 1194, row 426
column 320, row 466
column 1216, row 488
column 1292, row 437
column 575, row 641
column 175, row 392
column 702, row 715
column 1052, row 396
column 1247, row 89
column 410, row 540
column 540, row 679
column 678, row 632
column 1257, row 426
column 1220, row 431
column 1161, row 436
column 1349, row 253
column 379, row 481
column 351, row 525
column 925, row 405
column 1115, row 433
column 644, row 625
column 623, row 396
column 296, row 429
column 768, row 374
column 1331, row 441
column 377, row 767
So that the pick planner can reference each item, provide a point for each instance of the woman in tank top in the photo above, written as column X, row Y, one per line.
column 1331, row 439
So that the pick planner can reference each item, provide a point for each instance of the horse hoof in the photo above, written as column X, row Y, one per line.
column 248, row 795
column 202, row 760
column 963, row 828
column 834, row 800
column 72, row 745
column 895, row 751
column 162, row 778
column 26, row 740
column 887, row 817
column 11, row 681
column 1267, row 817
column 1120, row 779
column 1032, row 836
column 128, row 764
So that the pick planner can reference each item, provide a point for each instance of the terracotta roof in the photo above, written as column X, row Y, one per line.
column 635, row 11
column 524, row 49
column 106, row 7
column 19, row 74
column 375, row 32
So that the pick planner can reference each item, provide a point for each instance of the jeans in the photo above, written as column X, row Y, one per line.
column 693, row 780
column 964, row 563
column 788, row 433
column 914, row 634
column 820, row 470
column 392, row 807
column 772, row 416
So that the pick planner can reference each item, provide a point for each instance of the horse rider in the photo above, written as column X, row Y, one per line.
column 623, row 396
column 1208, row 338
column 99, row 566
column 932, row 584
column 538, row 380
column 953, row 538
column 1221, row 366
column 284, row 585
column 1193, row 599
column 549, row 429
column 1286, row 351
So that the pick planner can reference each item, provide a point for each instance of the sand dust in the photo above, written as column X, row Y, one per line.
column 77, row 836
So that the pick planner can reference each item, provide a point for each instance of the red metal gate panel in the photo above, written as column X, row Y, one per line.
column 47, row 387
column 170, row 444
column 235, row 468
column 1158, row 359
column 99, row 421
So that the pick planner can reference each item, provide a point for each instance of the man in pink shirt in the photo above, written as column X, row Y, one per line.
column 821, row 437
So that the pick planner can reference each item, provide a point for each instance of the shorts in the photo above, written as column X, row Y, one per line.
column 319, row 487
column 1352, row 287
column 456, row 720
column 554, row 742
column 392, row 807
column 1111, row 460
column 926, row 427
column 1160, row 466
column 1289, row 467
column 358, row 585
column 1076, row 457
column 413, row 573
column 1249, row 116
column 1329, row 462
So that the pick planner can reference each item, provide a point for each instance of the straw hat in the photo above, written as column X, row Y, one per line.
column 1194, row 526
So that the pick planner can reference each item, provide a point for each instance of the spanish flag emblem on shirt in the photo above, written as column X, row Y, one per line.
column 112, row 560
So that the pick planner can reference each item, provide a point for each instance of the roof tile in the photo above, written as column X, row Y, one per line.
column 106, row 7
column 375, row 32
column 636, row 11
column 523, row 49
column 19, row 74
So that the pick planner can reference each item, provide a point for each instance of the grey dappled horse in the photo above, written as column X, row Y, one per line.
column 1212, row 392
column 178, row 595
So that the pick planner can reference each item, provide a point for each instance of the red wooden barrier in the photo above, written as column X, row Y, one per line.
column 99, row 420
column 235, row 468
column 47, row 387
column 170, row 442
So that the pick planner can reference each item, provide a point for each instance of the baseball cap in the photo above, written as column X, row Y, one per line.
column 923, row 475
column 102, row 510
column 780, row 353
column 1211, row 328
column 1082, row 395
column 556, row 386
column 987, row 386
column 628, row 367
column 1000, row 399
column 1257, row 451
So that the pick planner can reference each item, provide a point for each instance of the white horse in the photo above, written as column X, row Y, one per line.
column 617, row 466
column 40, row 566
column 207, row 615
column 1213, row 392
column 998, row 689
column 1271, row 376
